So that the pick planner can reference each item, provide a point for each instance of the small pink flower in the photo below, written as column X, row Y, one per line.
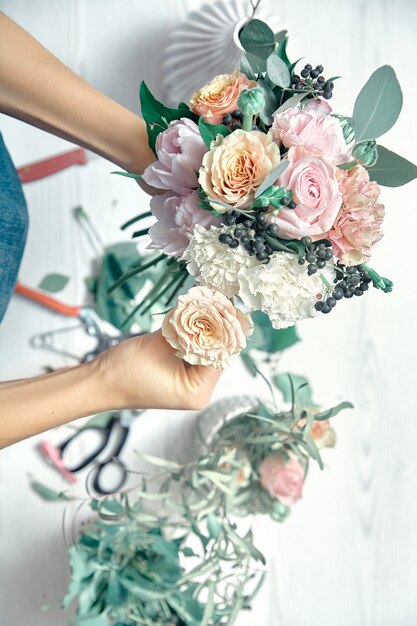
column 282, row 479
column 180, row 151
column 220, row 96
column 323, row 434
column 314, row 185
column 205, row 328
column 359, row 224
column 311, row 127
column 177, row 217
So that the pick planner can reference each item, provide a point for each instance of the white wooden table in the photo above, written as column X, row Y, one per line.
column 348, row 554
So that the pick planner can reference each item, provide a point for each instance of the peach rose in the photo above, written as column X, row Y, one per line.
column 220, row 96
column 205, row 328
column 359, row 224
column 315, row 188
column 282, row 479
column 323, row 434
column 235, row 167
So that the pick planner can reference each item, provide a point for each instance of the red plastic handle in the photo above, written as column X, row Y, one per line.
column 47, row 301
column 52, row 165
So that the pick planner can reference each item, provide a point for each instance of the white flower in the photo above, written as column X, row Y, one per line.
column 215, row 264
column 282, row 289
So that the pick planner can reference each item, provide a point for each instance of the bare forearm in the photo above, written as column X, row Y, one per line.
column 37, row 88
column 33, row 405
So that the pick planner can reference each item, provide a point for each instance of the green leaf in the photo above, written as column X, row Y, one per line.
column 281, row 35
column 258, row 65
column 269, row 339
column 281, row 51
column 291, row 102
column 271, row 102
column 209, row 132
column 157, row 116
column 100, row 420
column 392, row 170
column 213, row 525
column 46, row 493
column 160, row 462
column 143, row 588
column 246, row 67
column 303, row 392
column 249, row 362
column 128, row 175
column 325, row 415
column 98, row 620
column 379, row 282
column 278, row 71
column 257, row 38
column 53, row 282
column 378, row 105
column 272, row 177
column 115, row 595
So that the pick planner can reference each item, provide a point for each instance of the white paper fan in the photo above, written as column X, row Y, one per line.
column 204, row 45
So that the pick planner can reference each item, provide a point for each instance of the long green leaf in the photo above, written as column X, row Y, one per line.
column 278, row 71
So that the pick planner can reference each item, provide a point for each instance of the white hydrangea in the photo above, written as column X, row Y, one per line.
column 282, row 289
column 215, row 264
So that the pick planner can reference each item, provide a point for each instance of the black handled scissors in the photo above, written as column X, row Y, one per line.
column 117, row 428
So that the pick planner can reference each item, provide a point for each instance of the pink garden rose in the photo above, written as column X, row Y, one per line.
column 177, row 217
column 205, row 328
column 313, row 128
column 358, row 225
column 282, row 479
column 180, row 151
column 220, row 96
column 314, row 185
column 235, row 167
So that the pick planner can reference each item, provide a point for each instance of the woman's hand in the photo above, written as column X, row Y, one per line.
column 143, row 372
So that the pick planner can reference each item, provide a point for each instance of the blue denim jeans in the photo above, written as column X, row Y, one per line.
column 13, row 226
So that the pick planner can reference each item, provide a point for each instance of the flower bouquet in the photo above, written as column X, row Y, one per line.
column 265, row 197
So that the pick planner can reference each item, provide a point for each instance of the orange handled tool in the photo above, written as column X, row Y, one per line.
column 47, row 301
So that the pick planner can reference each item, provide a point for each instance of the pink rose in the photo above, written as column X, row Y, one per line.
column 177, row 217
column 282, row 479
column 205, row 328
column 311, row 127
column 220, row 96
column 314, row 185
column 180, row 151
column 358, row 225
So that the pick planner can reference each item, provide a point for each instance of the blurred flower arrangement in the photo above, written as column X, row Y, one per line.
column 270, row 203
column 171, row 551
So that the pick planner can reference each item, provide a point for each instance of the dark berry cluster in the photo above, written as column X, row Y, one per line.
column 312, row 80
column 316, row 255
column 250, row 232
column 234, row 120
column 350, row 281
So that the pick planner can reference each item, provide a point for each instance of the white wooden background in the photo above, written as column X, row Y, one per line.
column 348, row 554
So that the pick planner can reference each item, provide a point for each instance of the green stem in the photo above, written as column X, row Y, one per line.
column 160, row 294
column 176, row 290
column 140, row 233
column 137, row 269
column 135, row 219
column 247, row 122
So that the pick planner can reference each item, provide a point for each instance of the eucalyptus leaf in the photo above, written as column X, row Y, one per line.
column 278, row 71
column 271, row 102
column 53, row 282
column 258, row 65
column 391, row 169
column 290, row 103
column 280, row 36
column 46, row 493
column 272, row 177
column 378, row 105
column 257, row 38
column 246, row 67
